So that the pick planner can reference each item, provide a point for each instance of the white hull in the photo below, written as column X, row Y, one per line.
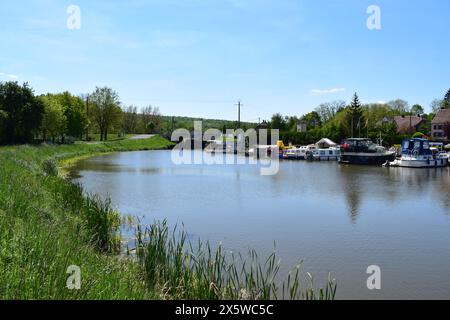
column 435, row 163
column 327, row 158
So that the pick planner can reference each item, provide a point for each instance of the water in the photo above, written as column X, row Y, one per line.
column 335, row 218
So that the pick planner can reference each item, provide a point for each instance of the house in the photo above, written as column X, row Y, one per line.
column 262, row 126
column 409, row 124
column 440, row 126
column 302, row 126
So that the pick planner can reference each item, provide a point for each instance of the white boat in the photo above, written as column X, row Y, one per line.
column 302, row 153
column 292, row 153
column 219, row 146
column 262, row 151
column 328, row 154
column 417, row 153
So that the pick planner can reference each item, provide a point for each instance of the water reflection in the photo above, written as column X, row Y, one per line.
column 334, row 217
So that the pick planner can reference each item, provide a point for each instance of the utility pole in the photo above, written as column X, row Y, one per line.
column 367, row 127
column 87, row 116
column 239, row 105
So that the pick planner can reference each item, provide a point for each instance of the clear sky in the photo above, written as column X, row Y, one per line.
column 198, row 57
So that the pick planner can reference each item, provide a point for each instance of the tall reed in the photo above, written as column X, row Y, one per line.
column 176, row 268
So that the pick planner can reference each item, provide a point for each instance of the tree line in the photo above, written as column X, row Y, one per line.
column 338, row 120
column 63, row 117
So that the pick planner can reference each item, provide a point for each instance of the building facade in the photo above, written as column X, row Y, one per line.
column 440, row 126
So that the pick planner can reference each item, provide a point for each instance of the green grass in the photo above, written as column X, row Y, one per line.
column 48, row 223
column 111, row 137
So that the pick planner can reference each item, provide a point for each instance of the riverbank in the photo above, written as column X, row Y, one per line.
column 44, row 229
column 48, row 224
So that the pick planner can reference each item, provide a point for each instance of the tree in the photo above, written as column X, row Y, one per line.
column 54, row 121
column 130, row 120
column 356, row 116
column 417, row 109
column 106, row 111
column 291, row 123
column 327, row 111
column 446, row 103
column 312, row 120
column 21, row 113
column 75, row 113
column 151, row 115
column 399, row 106
column 437, row 104
column 278, row 122
column 150, row 127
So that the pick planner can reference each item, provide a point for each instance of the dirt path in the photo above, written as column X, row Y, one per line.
column 142, row 136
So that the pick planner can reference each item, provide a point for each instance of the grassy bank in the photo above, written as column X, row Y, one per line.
column 48, row 224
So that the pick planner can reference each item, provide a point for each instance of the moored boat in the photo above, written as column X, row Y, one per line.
column 328, row 154
column 302, row 153
column 418, row 153
column 363, row 151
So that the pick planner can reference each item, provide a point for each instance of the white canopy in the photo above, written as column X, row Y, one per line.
column 325, row 143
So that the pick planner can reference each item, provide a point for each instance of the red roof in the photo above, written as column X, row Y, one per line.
column 442, row 116
column 404, row 123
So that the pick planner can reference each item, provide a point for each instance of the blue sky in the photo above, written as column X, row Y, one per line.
column 198, row 57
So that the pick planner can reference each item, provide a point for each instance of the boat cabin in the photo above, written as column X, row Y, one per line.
column 359, row 145
column 416, row 146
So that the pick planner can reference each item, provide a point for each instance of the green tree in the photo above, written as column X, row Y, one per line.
column 150, row 127
column 75, row 113
column 446, row 103
column 437, row 104
column 312, row 120
column 399, row 106
column 152, row 115
column 106, row 111
column 356, row 117
column 54, row 121
column 291, row 123
column 130, row 120
column 278, row 122
column 21, row 113
column 327, row 111
column 417, row 109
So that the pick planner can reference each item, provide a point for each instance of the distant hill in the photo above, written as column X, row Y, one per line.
column 170, row 123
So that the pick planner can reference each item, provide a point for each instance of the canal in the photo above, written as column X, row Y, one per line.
column 334, row 218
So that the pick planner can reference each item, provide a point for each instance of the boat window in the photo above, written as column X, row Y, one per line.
column 416, row 144
column 406, row 145
column 352, row 143
column 426, row 145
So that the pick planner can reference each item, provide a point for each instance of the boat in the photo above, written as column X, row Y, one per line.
column 363, row 151
column 419, row 153
column 219, row 146
column 282, row 149
column 292, row 153
column 301, row 153
column 327, row 154
column 263, row 151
